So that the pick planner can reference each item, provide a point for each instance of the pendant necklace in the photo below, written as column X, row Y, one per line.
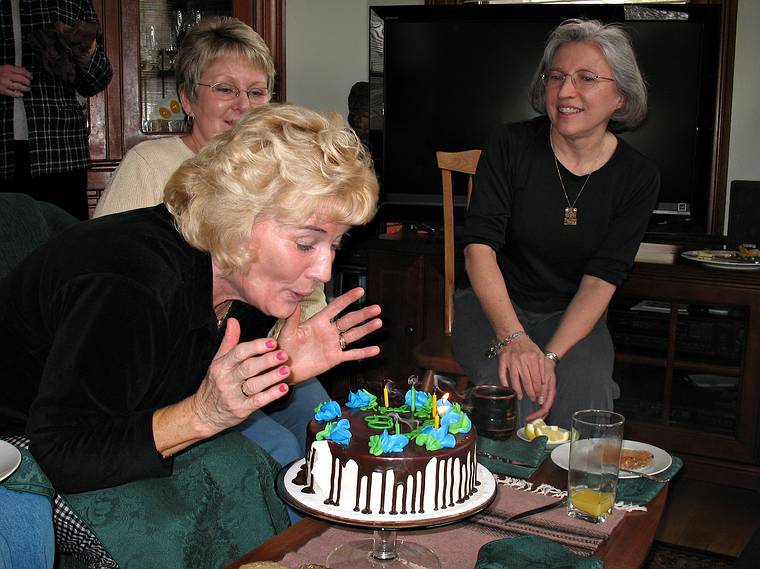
column 571, row 212
column 220, row 318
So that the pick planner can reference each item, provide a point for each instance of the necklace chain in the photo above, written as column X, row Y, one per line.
column 571, row 212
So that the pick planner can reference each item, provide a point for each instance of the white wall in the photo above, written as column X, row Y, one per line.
column 327, row 50
column 744, row 143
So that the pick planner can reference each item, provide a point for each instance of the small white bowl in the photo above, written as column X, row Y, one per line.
column 549, row 445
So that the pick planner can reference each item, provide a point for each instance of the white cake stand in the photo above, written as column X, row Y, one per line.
column 383, row 551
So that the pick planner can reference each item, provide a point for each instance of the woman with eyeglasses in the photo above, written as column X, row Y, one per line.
column 223, row 69
column 559, row 207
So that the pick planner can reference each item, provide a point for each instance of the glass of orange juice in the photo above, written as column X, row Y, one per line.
column 592, row 474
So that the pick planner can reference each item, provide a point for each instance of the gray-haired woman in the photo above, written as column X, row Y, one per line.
column 559, row 208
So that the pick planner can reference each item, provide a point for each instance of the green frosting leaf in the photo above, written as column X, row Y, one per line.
column 428, row 441
column 463, row 425
column 324, row 433
column 375, row 445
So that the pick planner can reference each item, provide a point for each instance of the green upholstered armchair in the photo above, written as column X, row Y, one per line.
column 25, row 224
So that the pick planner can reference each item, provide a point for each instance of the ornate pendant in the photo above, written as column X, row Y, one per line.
column 571, row 216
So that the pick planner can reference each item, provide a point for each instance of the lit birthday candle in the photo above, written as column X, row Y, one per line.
column 444, row 405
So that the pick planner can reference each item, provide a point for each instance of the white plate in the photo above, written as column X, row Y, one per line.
column 661, row 461
column 10, row 458
column 549, row 446
column 721, row 259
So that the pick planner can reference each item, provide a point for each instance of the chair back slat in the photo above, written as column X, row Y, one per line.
column 465, row 162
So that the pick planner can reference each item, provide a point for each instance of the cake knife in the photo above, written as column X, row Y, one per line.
column 525, row 514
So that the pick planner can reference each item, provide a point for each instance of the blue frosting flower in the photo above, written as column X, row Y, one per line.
column 420, row 399
column 434, row 439
column 362, row 399
column 327, row 411
column 393, row 443
column 339, row 432
column 456, row 421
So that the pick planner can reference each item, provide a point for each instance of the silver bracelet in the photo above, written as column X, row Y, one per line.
column 553, row 357
column 498, row 345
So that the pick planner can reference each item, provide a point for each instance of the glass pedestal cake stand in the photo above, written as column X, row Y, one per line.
column 383, row 551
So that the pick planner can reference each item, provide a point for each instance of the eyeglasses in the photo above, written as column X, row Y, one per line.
column 582, row 80
column 228, row 92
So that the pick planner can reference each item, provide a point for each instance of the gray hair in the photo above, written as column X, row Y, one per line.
column 616, row 46
column 215, row 37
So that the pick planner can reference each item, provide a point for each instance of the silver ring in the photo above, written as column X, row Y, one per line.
column 342, row 342
column 338, row 328
column 242, row 390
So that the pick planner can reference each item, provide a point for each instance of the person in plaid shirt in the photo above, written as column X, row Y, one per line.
column 48, row 54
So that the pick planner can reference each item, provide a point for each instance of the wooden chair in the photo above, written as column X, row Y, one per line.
column 434, row 354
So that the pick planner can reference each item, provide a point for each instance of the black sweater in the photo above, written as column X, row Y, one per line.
column 518, row 205
column 108, row 322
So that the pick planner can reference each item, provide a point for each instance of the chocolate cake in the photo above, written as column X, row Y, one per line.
column 416, row 479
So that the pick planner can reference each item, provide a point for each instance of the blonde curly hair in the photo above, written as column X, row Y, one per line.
column 280, row 161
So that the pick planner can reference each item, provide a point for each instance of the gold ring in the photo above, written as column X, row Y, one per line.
column 242, row 390
column 338, row 328
column 342, row 342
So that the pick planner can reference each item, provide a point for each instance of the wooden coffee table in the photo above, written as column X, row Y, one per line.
column 626, row 548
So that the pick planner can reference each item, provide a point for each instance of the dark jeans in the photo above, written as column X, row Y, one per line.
column 584, row 376
column 67, row 190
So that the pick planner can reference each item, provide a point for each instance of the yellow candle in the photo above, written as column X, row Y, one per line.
column 385, row 396
column 437, row 420
column 434, row 407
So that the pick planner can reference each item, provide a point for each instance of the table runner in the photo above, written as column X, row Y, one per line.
column 458, row 545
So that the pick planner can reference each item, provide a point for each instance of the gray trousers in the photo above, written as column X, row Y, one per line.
column 584, row 376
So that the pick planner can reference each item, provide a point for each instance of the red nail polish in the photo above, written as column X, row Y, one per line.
column 270, row 344
column 283, row 370
column 281, row 356
column 283, row 388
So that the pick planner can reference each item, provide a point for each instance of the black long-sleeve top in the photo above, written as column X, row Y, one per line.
column 100, row 327
column 517, row 208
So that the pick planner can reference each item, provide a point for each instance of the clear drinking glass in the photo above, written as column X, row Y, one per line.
column 592, row 475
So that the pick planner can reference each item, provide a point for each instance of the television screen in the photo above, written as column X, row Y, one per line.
column 442, row 77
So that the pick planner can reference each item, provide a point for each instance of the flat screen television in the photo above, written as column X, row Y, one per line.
column 441, row 78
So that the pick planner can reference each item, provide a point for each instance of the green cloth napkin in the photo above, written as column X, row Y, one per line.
column 526, row 452
column 639, row 491
column 531, row 552
column 29, row 477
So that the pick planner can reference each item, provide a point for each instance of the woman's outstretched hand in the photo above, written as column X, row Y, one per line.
column 524, row 368
column 324, row 340
column 242, row 377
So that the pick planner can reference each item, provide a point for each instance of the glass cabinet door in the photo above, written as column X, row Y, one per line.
column 163, row 24
column 679, row 364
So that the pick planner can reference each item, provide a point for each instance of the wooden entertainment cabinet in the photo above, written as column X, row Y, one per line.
column 687, row 342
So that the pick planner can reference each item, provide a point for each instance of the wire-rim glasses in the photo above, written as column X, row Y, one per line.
column 582, row 80
column 229, row 92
